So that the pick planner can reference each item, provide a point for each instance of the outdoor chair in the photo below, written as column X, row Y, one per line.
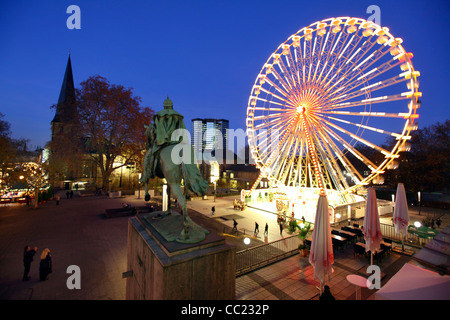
column 358, row 250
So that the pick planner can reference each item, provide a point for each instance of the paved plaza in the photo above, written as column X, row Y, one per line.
column 78, row 233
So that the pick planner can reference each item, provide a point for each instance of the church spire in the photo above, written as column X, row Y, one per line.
column 65, row 107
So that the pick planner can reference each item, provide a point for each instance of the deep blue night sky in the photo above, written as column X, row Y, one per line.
column 204, row 54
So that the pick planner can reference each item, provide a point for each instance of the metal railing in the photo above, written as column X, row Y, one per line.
column 268, row 253
column 265, row 254
column 388, row 231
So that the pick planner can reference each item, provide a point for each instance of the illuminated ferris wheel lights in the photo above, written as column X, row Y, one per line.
column 323, row 74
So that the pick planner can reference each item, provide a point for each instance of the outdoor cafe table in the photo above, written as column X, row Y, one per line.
column 422, row 232
column 338, row 240
column 352, row 229
column 347, row 234
column 359, row 282
column 378, row 254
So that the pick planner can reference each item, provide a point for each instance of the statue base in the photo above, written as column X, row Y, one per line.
column 170, row 227
column 161, row 268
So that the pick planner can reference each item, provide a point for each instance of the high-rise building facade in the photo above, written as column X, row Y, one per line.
column 209, row 134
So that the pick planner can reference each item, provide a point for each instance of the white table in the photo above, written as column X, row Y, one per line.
column 359, row 282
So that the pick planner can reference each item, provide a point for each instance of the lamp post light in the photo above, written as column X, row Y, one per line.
column 139, row 185
column 418, row 197
column 246, row 242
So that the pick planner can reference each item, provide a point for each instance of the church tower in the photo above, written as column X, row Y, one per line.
column 64, row 130
column 66, row 112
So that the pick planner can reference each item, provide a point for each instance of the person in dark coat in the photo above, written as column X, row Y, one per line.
column 326, row 295
column 235, row 225
column 256, row 229
column 28, row 255
column 45, row 267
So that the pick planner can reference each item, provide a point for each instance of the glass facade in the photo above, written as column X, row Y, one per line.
column 209, row 134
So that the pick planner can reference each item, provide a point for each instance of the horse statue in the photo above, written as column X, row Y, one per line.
column 162, row 166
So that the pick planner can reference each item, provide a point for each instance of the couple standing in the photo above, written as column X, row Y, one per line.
column 45, row 265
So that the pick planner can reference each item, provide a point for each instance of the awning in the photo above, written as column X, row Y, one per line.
column 415, row 283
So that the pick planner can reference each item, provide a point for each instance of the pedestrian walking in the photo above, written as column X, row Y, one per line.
column 45, row 266
column 256, row 228
column 71, row 194
column 235, row 225
column 28, row 255
column 213, row 210
column 67, row 194
column 266, row 230
column 57, row 199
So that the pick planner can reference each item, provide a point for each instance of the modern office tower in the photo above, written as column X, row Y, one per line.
column 209, row 134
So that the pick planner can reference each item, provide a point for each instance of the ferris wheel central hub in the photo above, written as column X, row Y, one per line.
column 302, row 108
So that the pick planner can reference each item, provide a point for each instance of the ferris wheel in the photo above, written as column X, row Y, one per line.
column 330, row 91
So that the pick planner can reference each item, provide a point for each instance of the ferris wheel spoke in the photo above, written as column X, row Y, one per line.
column 274, row 139
column 283, row 154
column 359, row 125
column 372, row 87
column 353, row 136
column 330, row 53
column 372, row 114
column 290, row 70
column 352, row 150
column 284, row 82
column 372, row 74
column 285, row 100
column 380, row 99
column 274, row 123
column 276, row 87
column 330, row 174
column 355, row 175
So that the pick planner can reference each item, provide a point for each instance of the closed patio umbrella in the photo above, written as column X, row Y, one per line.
column 372, row 229
column 401, row 214
column 321, row 255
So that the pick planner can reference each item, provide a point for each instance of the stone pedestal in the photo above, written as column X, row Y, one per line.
column 159, row 269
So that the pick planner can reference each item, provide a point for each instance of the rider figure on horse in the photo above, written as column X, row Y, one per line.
column 163, row 141
column 165, row 121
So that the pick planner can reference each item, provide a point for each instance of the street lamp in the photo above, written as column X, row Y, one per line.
column 418, row 197
column 246, row 242
column 139, row 185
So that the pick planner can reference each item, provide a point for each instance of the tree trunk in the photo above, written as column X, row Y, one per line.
column 105, row 181
column 36, row 197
